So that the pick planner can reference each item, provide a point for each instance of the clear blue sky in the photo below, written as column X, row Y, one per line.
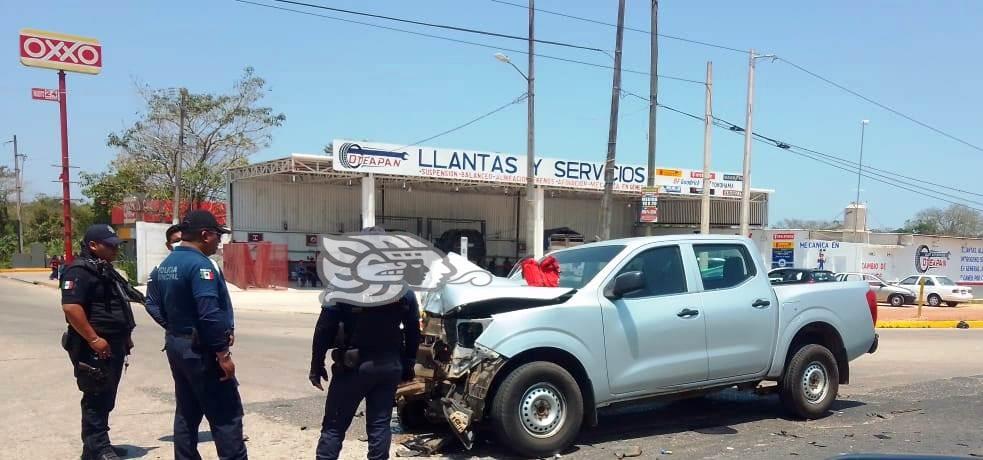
column 334, row 79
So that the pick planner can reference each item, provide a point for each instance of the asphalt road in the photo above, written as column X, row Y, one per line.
column 920, row 393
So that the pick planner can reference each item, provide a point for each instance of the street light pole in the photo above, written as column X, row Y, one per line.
column 748, row 137
column 533, row 243
column 707, row 132
column 860, row 168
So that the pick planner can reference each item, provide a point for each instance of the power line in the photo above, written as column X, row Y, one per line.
column 848, row 165
column 794, row 65
column 438, row 26
column 831, row 160
column 515, row 101
column 465, row 42
column 883, row 106
column 594, row 21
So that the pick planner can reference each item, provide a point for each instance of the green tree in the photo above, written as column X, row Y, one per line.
column 125, row 178
column 955, row 220
column 220, row 131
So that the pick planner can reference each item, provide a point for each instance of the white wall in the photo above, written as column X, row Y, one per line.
column 150, row 247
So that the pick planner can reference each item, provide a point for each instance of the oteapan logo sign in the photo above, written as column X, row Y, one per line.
column 52, row 50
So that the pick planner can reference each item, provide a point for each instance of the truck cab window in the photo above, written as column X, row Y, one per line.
column 723, row 266
column 662, row 269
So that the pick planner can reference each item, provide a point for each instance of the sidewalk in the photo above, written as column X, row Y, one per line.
column 932, row 317
column 287, row 300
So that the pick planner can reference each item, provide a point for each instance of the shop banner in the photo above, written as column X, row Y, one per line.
column 504, row 168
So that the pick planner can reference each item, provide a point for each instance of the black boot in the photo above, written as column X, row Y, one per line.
column 107, row 454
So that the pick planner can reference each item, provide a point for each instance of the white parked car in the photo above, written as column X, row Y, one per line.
column 939, row 289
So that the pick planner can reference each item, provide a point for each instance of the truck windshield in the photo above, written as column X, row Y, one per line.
column 579, row 266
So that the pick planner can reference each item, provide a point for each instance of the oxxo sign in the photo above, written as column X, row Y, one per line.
column 57, row 51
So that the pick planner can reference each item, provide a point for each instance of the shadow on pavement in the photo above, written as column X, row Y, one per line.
column 715, row 414
column 135, row 451
column 203, row 436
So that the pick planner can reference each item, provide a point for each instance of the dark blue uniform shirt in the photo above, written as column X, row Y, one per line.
column 193, row 295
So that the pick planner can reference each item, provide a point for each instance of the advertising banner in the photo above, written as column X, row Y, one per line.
column 504, row 168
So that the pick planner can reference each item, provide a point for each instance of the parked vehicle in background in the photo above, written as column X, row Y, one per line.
column 938, row 289
column 800, row 276
column 897, row 296
column 631, row 320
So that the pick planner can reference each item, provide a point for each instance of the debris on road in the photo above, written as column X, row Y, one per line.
column 905, row 411
column 786, row 434
column 962, row 325
column 425, row 445
column 882, row 436
column 363, row 438
column 666, row 452
column 630, row 451
column 817, row 444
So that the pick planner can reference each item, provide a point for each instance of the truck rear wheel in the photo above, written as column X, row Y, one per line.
column 811, row 382
column 538, row 409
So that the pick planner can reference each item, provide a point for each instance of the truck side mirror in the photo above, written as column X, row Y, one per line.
column 625, row 283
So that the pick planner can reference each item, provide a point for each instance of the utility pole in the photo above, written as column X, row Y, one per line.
column 178, row 158
column 18, row 186
column 653, row 97
column 533, row 241
column 707, row 132
column 606, row 198
column 860, row 169
column 748, row 137
column 66, row 192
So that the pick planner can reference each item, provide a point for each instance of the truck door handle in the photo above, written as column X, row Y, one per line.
column 687, row 313
column 761, row 303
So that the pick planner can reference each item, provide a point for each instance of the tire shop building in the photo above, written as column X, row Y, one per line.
column 442, row 194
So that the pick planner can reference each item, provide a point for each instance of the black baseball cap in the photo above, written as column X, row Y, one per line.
column 101, row 233
column 200, row 219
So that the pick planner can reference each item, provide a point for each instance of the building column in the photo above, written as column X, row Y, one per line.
column 538, row 208
column 368, row 201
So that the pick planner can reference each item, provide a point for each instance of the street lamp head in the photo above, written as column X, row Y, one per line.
column 865, row 122
column 503, row 58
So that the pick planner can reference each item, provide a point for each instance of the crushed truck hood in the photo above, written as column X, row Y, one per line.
column 502, row 295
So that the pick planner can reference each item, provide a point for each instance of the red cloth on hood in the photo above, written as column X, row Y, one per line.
column 551, row 271
column 532, row 273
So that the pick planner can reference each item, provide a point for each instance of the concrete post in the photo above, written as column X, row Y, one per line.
column 368, row 201
column 538, row 212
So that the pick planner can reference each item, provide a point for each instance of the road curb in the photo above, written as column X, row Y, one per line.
column 926, row 324
column 25, row 270
column 51, row 284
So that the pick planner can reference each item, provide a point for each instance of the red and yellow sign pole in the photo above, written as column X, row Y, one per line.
column 61, row 52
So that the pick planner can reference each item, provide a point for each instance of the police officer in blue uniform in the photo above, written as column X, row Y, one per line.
column 374, row 350
column 96, row 302
column 197, row 311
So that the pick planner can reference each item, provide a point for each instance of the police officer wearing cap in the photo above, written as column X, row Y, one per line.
column 96, row 302
column 374, row 350
column 199, row 323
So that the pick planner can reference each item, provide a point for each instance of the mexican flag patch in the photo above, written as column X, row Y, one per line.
column 206, row 274
column 68, row 285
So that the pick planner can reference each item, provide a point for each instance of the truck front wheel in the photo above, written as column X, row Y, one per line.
column 538, row 409
column 811, row 382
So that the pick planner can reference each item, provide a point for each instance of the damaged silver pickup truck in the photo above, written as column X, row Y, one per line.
column 632, row 320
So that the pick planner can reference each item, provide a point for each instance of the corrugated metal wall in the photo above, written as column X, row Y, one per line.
column 264, row 206
column 584, row 216
column 722, row 212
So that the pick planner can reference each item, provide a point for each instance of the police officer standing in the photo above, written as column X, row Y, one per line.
column 199, row 322
column 374, row 350
column 96, row 302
